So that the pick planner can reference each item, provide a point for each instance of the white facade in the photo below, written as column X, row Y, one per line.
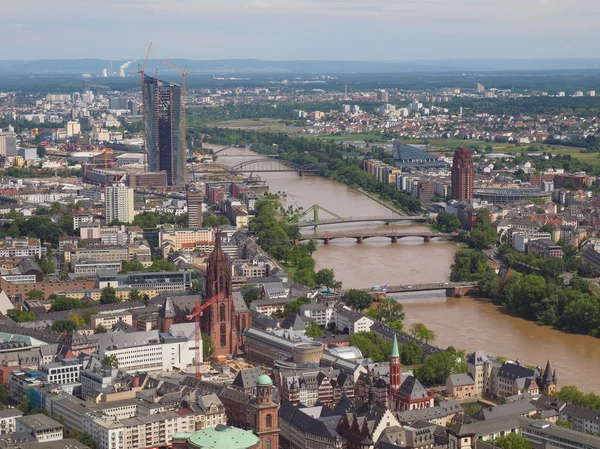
column 62, row 373
column 119, row 204
column 7, row 420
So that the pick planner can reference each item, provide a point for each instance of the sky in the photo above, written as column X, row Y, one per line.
column 300, row 29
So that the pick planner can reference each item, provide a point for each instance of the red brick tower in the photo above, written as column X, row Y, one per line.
column 217, row 320
column 462, row 175
column 267, row 420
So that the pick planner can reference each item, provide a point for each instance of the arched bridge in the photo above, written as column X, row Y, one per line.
column 260, row 165
column 361, row 237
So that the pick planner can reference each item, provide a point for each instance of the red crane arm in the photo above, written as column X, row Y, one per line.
column 200, row 308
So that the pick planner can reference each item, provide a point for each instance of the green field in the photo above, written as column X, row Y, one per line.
column 261, row 124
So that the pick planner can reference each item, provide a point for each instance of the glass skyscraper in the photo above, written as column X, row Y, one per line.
column 164, row 129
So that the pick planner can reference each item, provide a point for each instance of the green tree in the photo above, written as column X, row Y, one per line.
column 109, row 296
column 566, row 424
column 512, row 441
column 35, row 294
column 131, row 265
column 161, row 265
column 294, row 306
column 41, row 151
column 446, row 222
column 440, row 365
column 134, row 295
column 251, row 295
column 387, row 311
column 313, row 330
column 483, row 234
column 64, row 326
column 86, row 438
column 63, row 303
column 208, row 348
column 411, row 353
column 111, row 360
column 326, row 278
column 422, row 332
column 372, row 346
column 20, row 316
column 100, row 329
column 3, row 393
column 215, row 221
column 358, row 299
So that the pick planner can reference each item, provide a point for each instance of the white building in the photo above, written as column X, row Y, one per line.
column 8, row 144
column 119, row 204
column 346, row 320
column 72, row 128
column 8, row 420
column 62, row 373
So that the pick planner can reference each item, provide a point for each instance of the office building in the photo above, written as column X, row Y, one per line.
column 158, row 179
column 462, row 175
column 117, row 103
column 8, row 144
column 194, row 208
column 164, row 129
column 119, row 204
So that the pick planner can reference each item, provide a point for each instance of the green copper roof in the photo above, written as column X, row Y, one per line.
column 264, row 380
column 395, row 352
column 223, row 437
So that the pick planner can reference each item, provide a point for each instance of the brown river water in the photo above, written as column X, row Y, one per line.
column 465, row 323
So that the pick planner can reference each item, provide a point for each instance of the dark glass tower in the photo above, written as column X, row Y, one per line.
column 462, row 175
column 164, row 129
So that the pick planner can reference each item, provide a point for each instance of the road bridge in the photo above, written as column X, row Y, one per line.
column 454, row 289
column 361, row 237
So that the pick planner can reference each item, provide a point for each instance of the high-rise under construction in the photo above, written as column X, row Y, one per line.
column 164, row 129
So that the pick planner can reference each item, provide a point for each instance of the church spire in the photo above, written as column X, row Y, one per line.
column 395, row 352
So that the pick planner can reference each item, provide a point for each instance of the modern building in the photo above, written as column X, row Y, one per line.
column 164, row 129
column 158, row 179
column 119, row 204
column 117, row 103
column 62, row 373
column 408, row 157
column 541, row 433
column 194, row 207
column 8, row 144
column 462, row 175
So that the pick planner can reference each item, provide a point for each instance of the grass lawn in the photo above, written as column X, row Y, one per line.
column 289, row 269
column 470, row 408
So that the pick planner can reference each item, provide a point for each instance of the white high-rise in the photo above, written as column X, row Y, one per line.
column 119, row 204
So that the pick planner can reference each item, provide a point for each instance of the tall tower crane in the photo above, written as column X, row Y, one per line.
column 142, row 70
column 183, row 73
column 195, row 315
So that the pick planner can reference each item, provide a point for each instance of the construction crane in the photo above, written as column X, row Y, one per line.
column 142, row 70
column 183, row 73
column 195, row 315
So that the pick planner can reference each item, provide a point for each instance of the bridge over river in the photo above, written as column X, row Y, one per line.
column 362, row 236
column 455, row 289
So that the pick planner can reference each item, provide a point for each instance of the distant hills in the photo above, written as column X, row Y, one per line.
column 95, row 67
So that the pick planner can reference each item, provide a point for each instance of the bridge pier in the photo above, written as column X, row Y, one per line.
column 394, row 238
column 296, row 242
column 359, row 240
column 326, row 241
column 427, row 238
